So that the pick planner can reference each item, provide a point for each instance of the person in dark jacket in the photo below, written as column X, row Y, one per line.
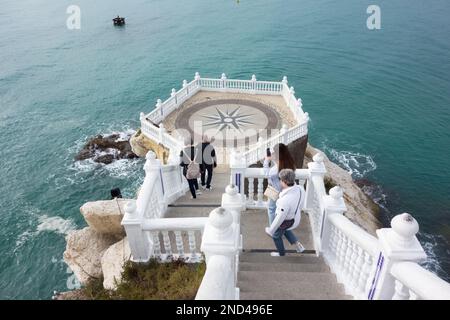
column 188, row 154
column 208, row 161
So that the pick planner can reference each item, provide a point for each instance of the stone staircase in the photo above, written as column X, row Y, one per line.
column 261, row 276
column 292, row 277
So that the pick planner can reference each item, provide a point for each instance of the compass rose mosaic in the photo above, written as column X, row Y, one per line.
column 234, row 117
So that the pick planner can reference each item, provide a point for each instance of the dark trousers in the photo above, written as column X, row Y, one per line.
column 193, row 184
column 207, row 168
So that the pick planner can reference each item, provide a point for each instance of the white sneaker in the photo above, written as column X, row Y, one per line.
column 208, row 189
column 193, row 197
column 300, row 248
column 274, row 254
column 204, row 187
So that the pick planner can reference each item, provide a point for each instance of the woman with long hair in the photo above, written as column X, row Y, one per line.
column 280, row 158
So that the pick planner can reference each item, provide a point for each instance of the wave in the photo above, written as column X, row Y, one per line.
column 355, row 163
column 46, row 223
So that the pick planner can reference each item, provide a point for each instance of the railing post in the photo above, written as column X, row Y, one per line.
column 139, row 240
column 398, row 243
column 197, row 79
column 159, row 105
column 285, row 80
column 253, row 84
column 224, row 81
column 185, row 84
column 173, row 94
column 238, row 167
column 334, row 204
column 316, row 169
column 232, row 200
column 221, row 237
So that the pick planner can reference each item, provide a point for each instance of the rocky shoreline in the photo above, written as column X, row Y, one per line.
column 107, row 148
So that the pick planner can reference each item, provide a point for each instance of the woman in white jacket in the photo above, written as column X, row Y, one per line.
column 284, row 214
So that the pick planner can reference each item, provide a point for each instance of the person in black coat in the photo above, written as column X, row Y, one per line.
column 188, row 154
column 208, row 161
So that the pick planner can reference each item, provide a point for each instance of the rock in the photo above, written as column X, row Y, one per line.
column 141, row 145
column 113, row 261
column 105, row 149
column 361, row 209
column 84, row 250
column 105, row 159
column 105, row 216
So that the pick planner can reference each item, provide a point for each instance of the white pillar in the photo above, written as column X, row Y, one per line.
column 197, row 76
column 140, row 241
column 283, row 133
column 316, row 170
column 221, row 238
column 285, row 80
column 253, row 84
column 232, row 200
column 334, row 204
column 398, row 243
column 162, row 131
column 173, row 94
column 152, row 169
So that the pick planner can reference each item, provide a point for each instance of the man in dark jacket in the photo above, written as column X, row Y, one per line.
column 208, row 161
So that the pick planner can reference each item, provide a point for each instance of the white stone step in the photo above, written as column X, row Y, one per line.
column 283, row 267
column 292, row 285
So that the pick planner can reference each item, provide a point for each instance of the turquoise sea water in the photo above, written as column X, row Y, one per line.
column 379, row 103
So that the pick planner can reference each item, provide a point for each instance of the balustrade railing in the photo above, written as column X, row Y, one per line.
column 175, row 238
column 256, row 179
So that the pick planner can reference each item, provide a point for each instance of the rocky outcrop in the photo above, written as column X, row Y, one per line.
column 360, row 208
column 105, row 216
column 113, row 261
column 141, row 145
column 84, row 250
column 107, row 148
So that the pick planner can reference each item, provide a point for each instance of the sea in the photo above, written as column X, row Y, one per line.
column 378, row 99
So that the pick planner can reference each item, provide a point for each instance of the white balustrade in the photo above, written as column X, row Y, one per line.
column 175, row 238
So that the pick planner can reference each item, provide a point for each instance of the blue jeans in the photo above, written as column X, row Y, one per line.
column 278, row 235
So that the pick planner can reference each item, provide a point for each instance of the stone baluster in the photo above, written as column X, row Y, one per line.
column 398, row 243
column 167, row 245
column 192, row 245
column 156, row 244
column 260, row 191
column 251, row 190
column 179, row 243
column 354, row 268
column 139, row 241
column 359, row 263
